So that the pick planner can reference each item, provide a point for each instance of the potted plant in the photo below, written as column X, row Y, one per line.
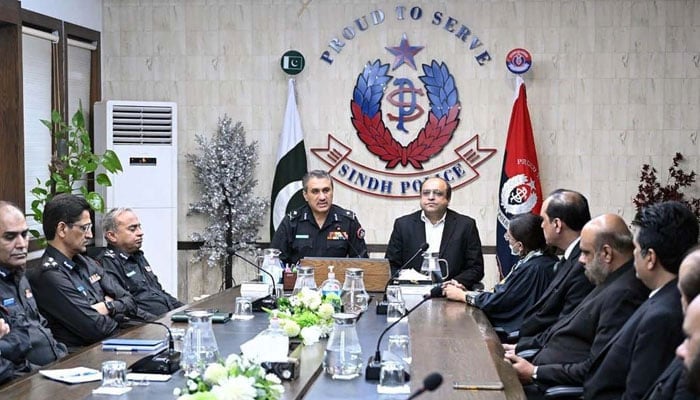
column 72, row 161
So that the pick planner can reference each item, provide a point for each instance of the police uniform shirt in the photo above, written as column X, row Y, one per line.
column 17, row 298
column 133, row 273
column 299, row 235
column 66, row 289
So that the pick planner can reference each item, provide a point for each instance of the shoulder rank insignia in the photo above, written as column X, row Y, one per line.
column 28, row 293
column 109, row 253
column 50, row 263
column 148, row 268
column 293, row 214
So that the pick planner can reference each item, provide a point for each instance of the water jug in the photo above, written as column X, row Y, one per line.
column 199, row 348
column 270, row 262
column 354, row 296
column 343, row 357
column 305, row 278
column 431, row 267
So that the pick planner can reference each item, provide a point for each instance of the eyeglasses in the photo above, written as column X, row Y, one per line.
column 85, row 228
column 434, row 192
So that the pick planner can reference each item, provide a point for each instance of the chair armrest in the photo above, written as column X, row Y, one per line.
column 564, row 392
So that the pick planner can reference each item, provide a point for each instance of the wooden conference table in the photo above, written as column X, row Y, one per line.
column 446, row 337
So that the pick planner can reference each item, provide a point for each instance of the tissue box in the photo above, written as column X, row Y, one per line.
column 289, row 279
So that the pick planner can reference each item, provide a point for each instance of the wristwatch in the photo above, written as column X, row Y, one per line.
column 534, row 373
column 469, row 298
column 110, row 307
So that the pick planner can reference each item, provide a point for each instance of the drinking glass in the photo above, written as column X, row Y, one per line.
column 394, row 311
column 244, row 309
column 114, row 374
column 392, row 378
column 393, row 293
column 400, row 346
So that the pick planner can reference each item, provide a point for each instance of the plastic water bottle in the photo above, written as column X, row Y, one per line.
column 275, row 342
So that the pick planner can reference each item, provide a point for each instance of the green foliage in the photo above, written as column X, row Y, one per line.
column 72, row 161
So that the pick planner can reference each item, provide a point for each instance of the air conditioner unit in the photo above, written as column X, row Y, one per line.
column 144, row 136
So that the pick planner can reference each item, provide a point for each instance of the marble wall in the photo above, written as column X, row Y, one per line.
column 615, row 84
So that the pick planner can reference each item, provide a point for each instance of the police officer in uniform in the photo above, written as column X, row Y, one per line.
column 30, row 342
column 320, row 228
column 81, row 303
column 124, row 261
column 6, row 366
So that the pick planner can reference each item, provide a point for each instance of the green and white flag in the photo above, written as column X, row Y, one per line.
column 291, row 165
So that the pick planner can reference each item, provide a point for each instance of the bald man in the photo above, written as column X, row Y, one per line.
column 567, row 347
column 628, row 366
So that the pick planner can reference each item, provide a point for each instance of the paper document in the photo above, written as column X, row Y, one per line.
column 411, row 274
column 73, row 375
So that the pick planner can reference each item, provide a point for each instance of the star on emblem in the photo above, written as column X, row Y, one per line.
column 404, row 53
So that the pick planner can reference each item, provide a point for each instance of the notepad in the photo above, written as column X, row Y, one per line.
column 72, row 375
column 145, row 345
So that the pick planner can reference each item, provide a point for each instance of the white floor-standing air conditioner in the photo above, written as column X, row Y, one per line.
column 144, row 136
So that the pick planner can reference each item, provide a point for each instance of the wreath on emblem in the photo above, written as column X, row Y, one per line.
column 432, row 138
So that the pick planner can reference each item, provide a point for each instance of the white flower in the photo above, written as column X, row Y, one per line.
column 310, row 334
column 326, row 310
column 273, row 378
column 191, row 385
column 236, row 388
column 279, row 389
column 295, row 301
column 291, row 328
column 310, row 298
column 177, row 391
column 215, row 373
column 231, row 360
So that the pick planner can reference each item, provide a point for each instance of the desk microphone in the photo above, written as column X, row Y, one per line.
column 269, row 301
column 164, row 362
column 430, row 383
column 374, row 364
column 359, row 255
column 382, row 305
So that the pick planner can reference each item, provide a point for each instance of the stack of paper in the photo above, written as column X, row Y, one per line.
column 146, row 345
column 72, row 375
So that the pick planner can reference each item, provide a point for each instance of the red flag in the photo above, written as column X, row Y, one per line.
column 520, row 190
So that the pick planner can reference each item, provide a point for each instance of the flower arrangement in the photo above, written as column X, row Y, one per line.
column 235, row 379
column 307, row 314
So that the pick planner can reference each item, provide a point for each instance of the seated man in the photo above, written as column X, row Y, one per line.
column 124, row 261
column 527, row 280
column 81, row 303
column 564, row 213
column 689, row 350
column 320, row 228
column 452, row 235
column 567, row 347
column 630, row 363
column 672, row 384
column 31, row 341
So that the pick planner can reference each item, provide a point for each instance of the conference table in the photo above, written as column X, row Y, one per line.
column 446, row 337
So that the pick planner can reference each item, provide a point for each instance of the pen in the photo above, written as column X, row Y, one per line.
column 478, row 386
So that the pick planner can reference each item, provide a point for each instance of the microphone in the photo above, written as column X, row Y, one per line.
column 268, row 301
column 164, row 362
column 359, row 255
column 374, row 364
column 382, row 305
column 430, row 383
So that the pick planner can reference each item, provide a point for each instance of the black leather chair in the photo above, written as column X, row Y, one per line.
column 564, row 393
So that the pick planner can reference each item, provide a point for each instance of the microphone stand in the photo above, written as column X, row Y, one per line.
column 382, row 305
column 164, row 362
column 374, row 364
column 269, row 301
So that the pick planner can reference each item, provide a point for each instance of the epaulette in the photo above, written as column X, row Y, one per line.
column 109, row 253
column 348, row 214
column 50, row 264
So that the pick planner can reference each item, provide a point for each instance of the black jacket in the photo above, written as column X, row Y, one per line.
column 460, row 246
column 641, row 350
column 671, row 384
column 564, row 293
column 134, row 273
column 66, row 289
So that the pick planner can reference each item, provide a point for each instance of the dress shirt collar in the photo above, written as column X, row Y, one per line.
column 570, row 249
column 425, row 219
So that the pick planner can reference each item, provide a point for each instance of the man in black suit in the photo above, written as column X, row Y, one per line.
column 564, row 213
column 567, row 347
column 452, row 235
column 644, row 347
column 672, row 383
column 689, row 350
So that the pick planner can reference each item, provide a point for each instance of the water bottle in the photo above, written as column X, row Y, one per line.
column 343, row 357
column 305, row 278
column 275, row 343
column 199, row 348
column 331, row 287
column 354, row 296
